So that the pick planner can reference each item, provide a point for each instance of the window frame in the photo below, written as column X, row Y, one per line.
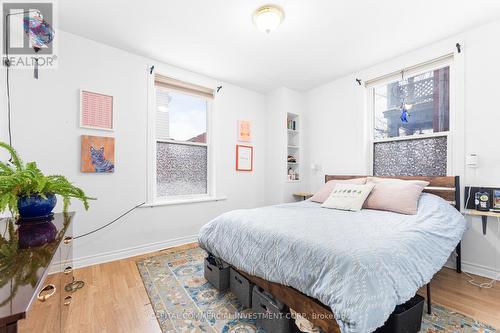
column 152, row 199
column 445, row 61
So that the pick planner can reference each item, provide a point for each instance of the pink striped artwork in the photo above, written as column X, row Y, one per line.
column 96, row 110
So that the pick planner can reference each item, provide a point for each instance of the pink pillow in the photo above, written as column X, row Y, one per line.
column 324, row 192
column 395, row 195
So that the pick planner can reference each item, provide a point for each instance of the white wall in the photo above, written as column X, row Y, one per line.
column 279, row 102
column 45, row 129
column 275, row 147
column 335, row 131
column 336, row 127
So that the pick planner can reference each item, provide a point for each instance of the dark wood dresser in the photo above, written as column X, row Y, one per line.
column 36, row 274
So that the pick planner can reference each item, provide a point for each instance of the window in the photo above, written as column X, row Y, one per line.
column 425, row 98
column 181, row 138
column 411, row 122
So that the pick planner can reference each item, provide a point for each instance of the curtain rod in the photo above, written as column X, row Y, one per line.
column 410, row 68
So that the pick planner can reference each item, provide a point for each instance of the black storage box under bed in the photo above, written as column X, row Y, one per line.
column 406, row 318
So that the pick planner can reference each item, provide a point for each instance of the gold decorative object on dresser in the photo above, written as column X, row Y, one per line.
column 36, row 266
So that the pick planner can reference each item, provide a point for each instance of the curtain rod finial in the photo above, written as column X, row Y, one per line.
column 358, row 81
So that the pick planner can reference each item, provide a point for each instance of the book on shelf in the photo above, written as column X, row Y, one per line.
column 292, row 125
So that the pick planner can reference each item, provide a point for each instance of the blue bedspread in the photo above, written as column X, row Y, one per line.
column 361, row 264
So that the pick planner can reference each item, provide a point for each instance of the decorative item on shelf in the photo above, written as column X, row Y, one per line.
column 244, row 131
column 292, row 175
column 292, row 125
column 28, row 193
column 98, row 154
column 244, row 158
column 96, row 110
column 496, row 199
column 291, row 159
column 482, row 200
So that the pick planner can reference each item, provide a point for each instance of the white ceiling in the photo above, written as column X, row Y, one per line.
column 318, row 41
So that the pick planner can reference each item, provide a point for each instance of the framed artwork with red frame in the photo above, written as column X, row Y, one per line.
column 244, row 158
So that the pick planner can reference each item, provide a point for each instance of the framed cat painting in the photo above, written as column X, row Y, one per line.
column 98, row 154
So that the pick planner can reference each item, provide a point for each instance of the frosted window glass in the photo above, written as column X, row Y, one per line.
column 180, row 169
column 419, row 157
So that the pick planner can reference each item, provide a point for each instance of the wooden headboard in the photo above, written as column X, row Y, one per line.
column 446, row 187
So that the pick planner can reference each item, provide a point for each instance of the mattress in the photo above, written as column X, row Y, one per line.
column 360, row 264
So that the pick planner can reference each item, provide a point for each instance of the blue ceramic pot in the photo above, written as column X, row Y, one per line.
column 35, row 206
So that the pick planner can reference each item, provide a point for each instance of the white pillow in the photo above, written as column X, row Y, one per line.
column 348, row 197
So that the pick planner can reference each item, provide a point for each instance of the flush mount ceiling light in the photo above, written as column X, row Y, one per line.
column 267, row 18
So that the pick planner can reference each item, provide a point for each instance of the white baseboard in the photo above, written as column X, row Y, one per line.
column 475, row 269
column 131, row 252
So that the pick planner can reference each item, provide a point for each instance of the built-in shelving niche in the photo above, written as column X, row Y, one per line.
column 293, row 148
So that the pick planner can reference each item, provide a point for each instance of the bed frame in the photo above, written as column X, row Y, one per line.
column 321, row 315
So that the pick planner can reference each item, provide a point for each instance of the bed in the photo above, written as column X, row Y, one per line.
column 345, row 271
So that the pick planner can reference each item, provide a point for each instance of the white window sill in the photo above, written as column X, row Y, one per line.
column 183, row 201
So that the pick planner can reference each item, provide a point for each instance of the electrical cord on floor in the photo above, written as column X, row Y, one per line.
column 492, row 282
column 110, row 223
column 484, row 285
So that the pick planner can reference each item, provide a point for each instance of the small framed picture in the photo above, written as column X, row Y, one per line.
column 496, row 198
column 244, row 158
column 96, row 110
column 97, row 154
column 244, row 131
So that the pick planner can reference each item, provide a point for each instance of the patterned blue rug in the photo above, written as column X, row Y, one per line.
column 184, row 301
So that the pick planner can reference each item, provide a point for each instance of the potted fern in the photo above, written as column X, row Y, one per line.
column 28, row 193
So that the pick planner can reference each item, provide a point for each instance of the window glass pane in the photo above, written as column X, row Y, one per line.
column 417, row 157
column 180, row 169
column 180, row 117
column 424, row 98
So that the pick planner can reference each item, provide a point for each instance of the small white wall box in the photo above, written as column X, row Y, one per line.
column 471, row 160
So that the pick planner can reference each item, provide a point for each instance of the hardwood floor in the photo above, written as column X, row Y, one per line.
column 452, row 290
column 114, row 299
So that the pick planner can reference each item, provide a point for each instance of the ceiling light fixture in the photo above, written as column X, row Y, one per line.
column 267, row 18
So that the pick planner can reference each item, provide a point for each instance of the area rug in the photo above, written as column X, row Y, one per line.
column 184, row 301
